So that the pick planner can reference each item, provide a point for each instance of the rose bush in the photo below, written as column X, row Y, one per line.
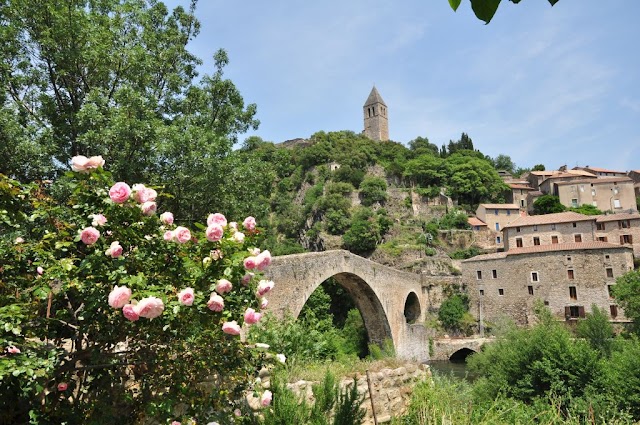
column 136, row 317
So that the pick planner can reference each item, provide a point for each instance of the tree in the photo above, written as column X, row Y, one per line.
column 586, row 209
column 538, row 167
column 452, row 311
column 548, row 204
column 597, row 330
column 473, row 180
column 485, row 9
column 504, row 162
column 627, row 293
column 422, row 146
column 425, row 171
column 114, row 78
column 372, row 190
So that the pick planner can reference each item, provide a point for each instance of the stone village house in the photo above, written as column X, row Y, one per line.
column 567, row 260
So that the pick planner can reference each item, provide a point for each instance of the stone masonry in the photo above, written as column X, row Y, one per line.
column 568, row 278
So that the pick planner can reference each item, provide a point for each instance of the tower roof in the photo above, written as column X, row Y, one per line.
column 374, row 97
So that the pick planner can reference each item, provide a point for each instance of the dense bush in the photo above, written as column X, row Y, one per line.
column 79, row 348
column 372, row 190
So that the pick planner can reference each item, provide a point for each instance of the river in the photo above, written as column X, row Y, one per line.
column 448, row 368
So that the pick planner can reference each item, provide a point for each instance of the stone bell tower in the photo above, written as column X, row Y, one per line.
column 376, row 120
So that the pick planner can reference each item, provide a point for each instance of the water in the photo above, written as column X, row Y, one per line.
column 456, row 369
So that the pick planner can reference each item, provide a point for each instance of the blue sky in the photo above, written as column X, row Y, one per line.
column 552, row 85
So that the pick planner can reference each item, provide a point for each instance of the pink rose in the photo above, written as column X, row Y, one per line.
column 89, row 235
column 166, row 218
column 150, row 307
column 214, row 232
column 264, row 286
column 233, row 225
column 176, row 423
column 223, row 286
column 168, row 236
column 129, row 311
column 182, row 234
column 186, row 296
column 231, row 328
column 266, row 398
column 216, row 218
column 98, row 219
column 215, row 254
column 40, row 271
column 114, row 250
column 263, row 260
column 13, row 350
column 238, row 237
column 148, row 208
column 249, row 223
column 62, row 386
column 264, row 303
column 18, row 240
column 250, row 263
column 251, row 317
column 119, row 296
column 247, row 278
column 143, row 194
column 82, row 164
column 120, row 192
column 215, row 303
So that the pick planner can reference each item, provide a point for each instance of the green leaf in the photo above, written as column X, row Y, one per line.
column 485, row 9
column 454, row 4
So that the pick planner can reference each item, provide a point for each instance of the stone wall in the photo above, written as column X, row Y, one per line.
column 391, row 388
column 508, row 285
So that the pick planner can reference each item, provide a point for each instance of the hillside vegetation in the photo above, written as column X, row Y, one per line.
column 378, row 199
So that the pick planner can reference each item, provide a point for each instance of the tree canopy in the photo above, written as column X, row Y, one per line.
column 485, row 9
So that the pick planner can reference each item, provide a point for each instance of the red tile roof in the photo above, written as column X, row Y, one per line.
column 475, row 221
column 520, row 186
column 600, row 180
column 616, row 217
column 500, row 206
column 603, row 170
column 563, row 217
column 547, row 248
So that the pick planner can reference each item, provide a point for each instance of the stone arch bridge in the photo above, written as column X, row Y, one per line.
column 392, row 303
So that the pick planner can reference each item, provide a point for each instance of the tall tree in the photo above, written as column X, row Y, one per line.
column 115, row 78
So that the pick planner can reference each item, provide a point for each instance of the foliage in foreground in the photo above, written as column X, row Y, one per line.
column 78, row 347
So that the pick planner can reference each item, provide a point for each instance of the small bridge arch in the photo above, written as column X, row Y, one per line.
column 388, row 299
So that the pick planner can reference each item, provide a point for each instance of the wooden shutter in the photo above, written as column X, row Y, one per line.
column 567, row 312
column 581, row 312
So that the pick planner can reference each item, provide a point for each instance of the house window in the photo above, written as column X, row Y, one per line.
column 479, row 274
column 535, row 227
column 599, row 226
column 574, row 203
column 496, row 212
column 522, row 203
column 606, row 257
column 577, row 238
column 573, row 294
column 554, row 239
column 626, row 239
column 624, row 224
column 593, row 192
column 498, row 240
column 536, row 240
column 518, row 229
column 570, row 274
column 500, row 291
column 530, row 288
column 497, row 226
column 609, row 272
column 616, row 203
column 534, row 276
column 494, row 273
column 602, row 238
column 553, row 226
column 614, row 311
column 481, row 292
column 508, row 212
column 568, row 258
column 610, row 291
column 574, row 224
column 574, row 311
column 615, row 190
column 519, row 242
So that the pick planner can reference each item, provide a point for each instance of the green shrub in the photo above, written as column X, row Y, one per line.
column 372, row 190
column 339, row 188
column 348, row 175
column 336, row 222
column 463, row 254
column 452, row 311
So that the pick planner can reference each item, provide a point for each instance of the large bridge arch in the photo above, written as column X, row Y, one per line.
column 381, row 293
